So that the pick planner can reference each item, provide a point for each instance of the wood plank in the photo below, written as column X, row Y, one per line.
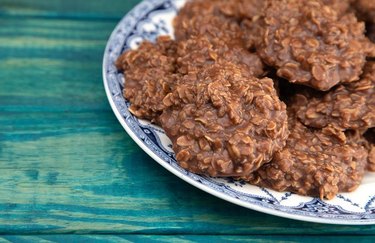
column 54, row 63
column 182, row 238
column 103, row 9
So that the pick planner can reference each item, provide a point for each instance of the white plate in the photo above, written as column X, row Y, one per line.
column 152, row 18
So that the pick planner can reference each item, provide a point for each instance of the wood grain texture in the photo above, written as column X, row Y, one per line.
column 182, row 238
column 98, row 9
column 67, row 166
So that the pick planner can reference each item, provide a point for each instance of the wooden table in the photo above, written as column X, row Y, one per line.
column 69, row 172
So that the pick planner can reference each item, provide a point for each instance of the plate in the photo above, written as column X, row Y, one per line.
column 152, row 18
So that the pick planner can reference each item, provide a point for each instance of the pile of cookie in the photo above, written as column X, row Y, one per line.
column 279, row 93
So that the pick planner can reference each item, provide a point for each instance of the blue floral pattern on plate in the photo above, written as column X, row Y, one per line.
column 152, row 18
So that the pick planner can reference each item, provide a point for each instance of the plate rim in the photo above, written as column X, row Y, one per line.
column 165, row 165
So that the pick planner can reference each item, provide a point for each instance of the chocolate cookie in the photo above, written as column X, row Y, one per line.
column 149, row 75
column 224, row 122
column 234, row 22
column 350, row 106
column 203, row 18
column 314, row 162
column 310, row 44
column 152, row 70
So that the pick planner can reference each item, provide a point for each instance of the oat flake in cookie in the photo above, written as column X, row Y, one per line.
column 315, row 163
column 225, row 122
column 350, row 106
column 340, row 6
column 310, row 44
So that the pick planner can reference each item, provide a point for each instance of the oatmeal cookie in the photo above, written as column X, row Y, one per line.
column 152, row 70
column 232, row 22
column 310, row 44
column 223, row 121
column 314, row 162
column 248, row 14
column 149, row 75
column 350, row 106
column 202, row 18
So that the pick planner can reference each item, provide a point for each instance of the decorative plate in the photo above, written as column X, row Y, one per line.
column 152, row 18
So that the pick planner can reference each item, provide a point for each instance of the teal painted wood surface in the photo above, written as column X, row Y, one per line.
column 68, row 167
column 98, row 9
column 183, row 238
